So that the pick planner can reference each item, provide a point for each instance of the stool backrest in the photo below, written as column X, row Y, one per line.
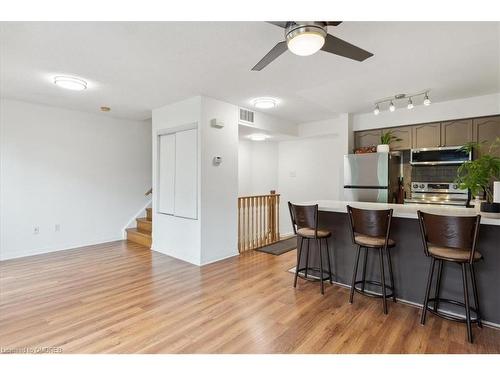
column 459, row 232
column 374, row 223
column 303, row 216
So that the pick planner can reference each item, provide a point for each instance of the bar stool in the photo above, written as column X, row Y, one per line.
column 305, row 226
column 451, row 239
column 370, row 231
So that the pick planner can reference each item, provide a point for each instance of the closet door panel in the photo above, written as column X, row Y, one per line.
column 186, row 174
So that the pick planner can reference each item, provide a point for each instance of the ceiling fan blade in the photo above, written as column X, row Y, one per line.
column 342, row 48
column 279, row 23
column 273, row 54
column 332, row 23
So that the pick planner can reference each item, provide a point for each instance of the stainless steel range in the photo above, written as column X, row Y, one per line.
column 444, row 193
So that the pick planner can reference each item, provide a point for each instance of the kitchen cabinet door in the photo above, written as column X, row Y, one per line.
column 426, row 135
column 404, row 133
column 456, row 133
column 487, row 129
column 367, row 138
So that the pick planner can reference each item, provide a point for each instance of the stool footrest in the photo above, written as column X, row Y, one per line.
column 447, row 316
column 370, row 293
column 311, row 277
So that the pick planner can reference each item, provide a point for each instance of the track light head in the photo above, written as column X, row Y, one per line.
column 410, row 103
column 427, row 101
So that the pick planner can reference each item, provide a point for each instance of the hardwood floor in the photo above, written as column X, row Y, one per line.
column 122, row 298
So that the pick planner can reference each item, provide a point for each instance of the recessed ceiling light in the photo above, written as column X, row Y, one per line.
column 70, row 83
column 258, row 137
column 265, row 102
column 105, row 109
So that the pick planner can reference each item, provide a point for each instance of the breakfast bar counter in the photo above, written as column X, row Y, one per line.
column 409, row 262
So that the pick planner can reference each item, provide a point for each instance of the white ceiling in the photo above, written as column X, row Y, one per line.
column 134, row 67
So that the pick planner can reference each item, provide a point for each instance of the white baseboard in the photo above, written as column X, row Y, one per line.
column 28, row 253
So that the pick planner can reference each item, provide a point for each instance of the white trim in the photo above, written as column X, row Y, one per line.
column 131, row 221
column 413, row 304
column 28, row 253
column 218, row 260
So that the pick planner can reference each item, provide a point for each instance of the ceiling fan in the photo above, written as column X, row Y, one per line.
column 306, row 38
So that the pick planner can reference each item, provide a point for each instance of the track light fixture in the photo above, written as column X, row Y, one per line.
column 410, row 105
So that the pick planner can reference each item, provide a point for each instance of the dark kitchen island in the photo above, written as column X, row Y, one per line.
column 409, row 262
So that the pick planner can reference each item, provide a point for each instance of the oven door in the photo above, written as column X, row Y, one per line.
column 439, row 155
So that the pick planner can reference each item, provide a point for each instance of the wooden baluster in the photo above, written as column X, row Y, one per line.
column 278, row 218
column 239, row 227
column 248, row 223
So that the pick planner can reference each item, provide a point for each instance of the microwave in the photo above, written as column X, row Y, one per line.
column 439, row 155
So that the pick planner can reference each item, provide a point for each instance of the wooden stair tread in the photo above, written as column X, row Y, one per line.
column 144, row 219
column 139, row 232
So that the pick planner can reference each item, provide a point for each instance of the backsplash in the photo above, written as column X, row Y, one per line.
column 434, row 173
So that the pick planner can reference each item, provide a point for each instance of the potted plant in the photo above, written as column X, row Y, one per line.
column 385, row 141
column 478, row 175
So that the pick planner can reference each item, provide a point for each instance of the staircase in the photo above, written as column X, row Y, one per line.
column 142, row 234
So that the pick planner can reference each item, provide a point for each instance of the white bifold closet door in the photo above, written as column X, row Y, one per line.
column 178, row 174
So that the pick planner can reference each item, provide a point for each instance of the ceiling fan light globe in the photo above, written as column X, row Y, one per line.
column 306, row 44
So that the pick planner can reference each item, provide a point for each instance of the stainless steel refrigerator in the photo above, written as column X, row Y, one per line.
column 371, row 177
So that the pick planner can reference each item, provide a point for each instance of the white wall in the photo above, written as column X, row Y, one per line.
column 311, row 168
column 213, row 235
column 176, row 236
column 219, row 184
column 449, row 110
column 86, row 173
column 257, row 167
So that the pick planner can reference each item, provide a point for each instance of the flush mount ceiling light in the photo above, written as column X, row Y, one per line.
column 258, row 137
column 398, row 97
column 265, row 102
column 70, row 83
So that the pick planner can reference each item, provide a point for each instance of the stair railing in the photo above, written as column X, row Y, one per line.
column 258, row 221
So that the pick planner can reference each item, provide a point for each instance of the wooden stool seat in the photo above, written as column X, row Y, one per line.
column 372, row 242
column 310, row 233
column 452, row 254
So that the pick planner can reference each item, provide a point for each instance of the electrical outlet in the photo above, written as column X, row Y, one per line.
column 58, row 227
column 36, row 230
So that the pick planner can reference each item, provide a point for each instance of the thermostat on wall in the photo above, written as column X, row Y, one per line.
column 216, row 123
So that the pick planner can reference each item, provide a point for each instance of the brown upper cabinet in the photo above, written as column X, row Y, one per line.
column 486, row 130
column 426, row 135
column 367, row 138
column 436, row 134
column 456, row 133
column 404, row 133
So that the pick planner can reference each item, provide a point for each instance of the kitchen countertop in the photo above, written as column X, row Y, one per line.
column 408, row 211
